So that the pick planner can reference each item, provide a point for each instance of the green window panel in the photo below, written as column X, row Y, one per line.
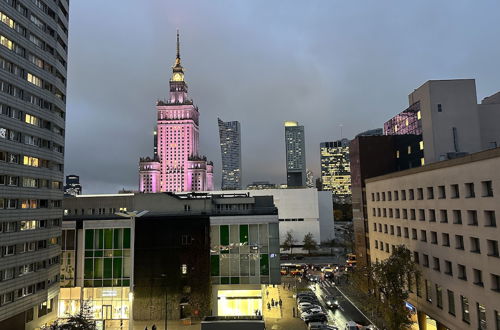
column 214, row 265
column 117, row 238
column 98, row 253
column 108, row 238
column 126, row 282
column 89, row 254
column 117, row 253
column 117, row 282
column 107, row 283
column 224, row 235
column 97, row 283
column 126, row 238
column 235, row 280
column 98, row 268
column 224, row 280
column 108, row 267
column 99, row 239
column 88, row 268
column 89, row 239
column 264, row 264
column 88, row 283
column 244, row 234
column 117, row 267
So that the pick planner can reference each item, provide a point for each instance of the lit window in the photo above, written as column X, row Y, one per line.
column 422, row 161
column 34, row 80
column 419, row 115
column 409, row 149
column 6, row 42
column 421, row 144
column 7, row 20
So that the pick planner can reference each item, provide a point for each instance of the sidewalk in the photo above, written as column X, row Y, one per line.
column 281, row 318
column 160, row 325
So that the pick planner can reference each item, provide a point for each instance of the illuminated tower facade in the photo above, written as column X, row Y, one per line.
column 230, row 146
column 295, row 154
column 336, row 169
column 181, row 168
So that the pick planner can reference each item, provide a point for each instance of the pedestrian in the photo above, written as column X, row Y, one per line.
column 267, row 294
column 153, row 327
column 268, row 308
column 146, row 328
column 272, row 302
column 281, row 302
column 288, row 286
column 293, row 312
column 256, row 312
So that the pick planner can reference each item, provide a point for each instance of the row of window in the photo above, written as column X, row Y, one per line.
column 12, row 203
column 15, row 272
column 31, row 140
column 30, row 119
column 488, row 218
column 13, row 158
column 22, row 225
column 28, row 182
column 454, row 192
column 475, row 242
column 30, row 77
column 20, row 248
column 93, row 211
column 33, row 37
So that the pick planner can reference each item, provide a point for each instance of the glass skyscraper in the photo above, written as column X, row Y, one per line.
column 230, row 146
column 33, row 55
column 336, row 169
column 295, row 154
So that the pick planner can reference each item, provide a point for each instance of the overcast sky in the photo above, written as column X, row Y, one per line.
column 322, row 63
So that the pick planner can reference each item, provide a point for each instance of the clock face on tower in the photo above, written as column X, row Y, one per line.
column 177, row 77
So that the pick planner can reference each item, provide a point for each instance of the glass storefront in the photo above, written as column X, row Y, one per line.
column 239, row 302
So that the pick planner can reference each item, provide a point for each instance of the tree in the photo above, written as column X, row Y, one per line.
column 82, row 320
column 392, row 278
column 309, row 243
column 289, row 242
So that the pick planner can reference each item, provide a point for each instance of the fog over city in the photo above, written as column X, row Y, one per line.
column 325, row 64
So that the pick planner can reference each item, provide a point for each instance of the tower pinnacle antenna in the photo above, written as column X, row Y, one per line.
column 178, row 46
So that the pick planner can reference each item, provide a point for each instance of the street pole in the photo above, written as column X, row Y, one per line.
column 164, row 277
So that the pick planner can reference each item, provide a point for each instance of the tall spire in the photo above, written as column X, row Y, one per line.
column 178, row 47
column 177, row 69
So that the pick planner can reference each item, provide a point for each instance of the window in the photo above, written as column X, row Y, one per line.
column 9, row 250
column 432, row 215
column 455, row 191
column 405, row 214
column 451, row 302
column 423, row 235
column 376, row 244
column 474, row 245
column 406, row 233
column 490, row 219
column 487, row 188
column 495, row 282
column 439, row 296
column 437, row 264
column 481, row 316
column 416, row 258
column 396, row 195
column 374, row 226
column 420, row 193
column 469, row 190
column 465, row 309
column 497, row 320
column 412, row 214
column 30, row 161
column 426, row 260
column 434, row 238
column 403, row 195
column 383, row 196
column 459, row 242
column 444, row 216
column 448, row 269
column 445, row 237
column 398, row 230
column 412, row 194
column 7, row 298
column 472, row 217
column 457, row 217
column 492, row 248
column 428, row 291
column 385, row 228
column 478, row 277
column 441, row 192
column 462, row 272
column 414, row 233
column 397, row 214
column 392, row 229
column 439, row 108
column 430, row 193
column 421, row 214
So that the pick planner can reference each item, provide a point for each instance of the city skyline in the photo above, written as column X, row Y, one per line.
column 345, row 65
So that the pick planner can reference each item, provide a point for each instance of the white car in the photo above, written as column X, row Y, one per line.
column 304, row 305
column 310, row 312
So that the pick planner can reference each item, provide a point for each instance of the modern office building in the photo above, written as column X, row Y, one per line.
column 33, row 55
column 446, row 114
column 258, row 185
column 230, row 147
column 445, row 213
column 72, row 186
column 295, row 154
column 300, row 211
column 180, row 255
column 310, row 183
column 336, row 170
column 176, row 164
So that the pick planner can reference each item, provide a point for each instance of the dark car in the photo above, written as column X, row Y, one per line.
column 331, row 302
column 318, row 317
column 312, row 300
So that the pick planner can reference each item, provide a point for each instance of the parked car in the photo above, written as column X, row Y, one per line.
column 311, row 311
column 302, row 307
column 307, row 298
column 320, row 326
column 351, row 325
column 318, row 317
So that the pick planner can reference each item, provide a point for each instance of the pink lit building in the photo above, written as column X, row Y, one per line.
column 176, row 165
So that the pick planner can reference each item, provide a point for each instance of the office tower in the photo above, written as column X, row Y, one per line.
column 230, row 147
column 336, row 170
column 33, row 54
column 310, row 179
column 73, row 186
column 176, row 164
column 295, row 154
column 446, row 214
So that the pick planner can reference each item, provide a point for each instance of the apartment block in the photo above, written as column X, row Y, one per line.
column 445, row 213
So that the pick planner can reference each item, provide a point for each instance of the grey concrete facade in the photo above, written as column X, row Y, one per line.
column 33, row 55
